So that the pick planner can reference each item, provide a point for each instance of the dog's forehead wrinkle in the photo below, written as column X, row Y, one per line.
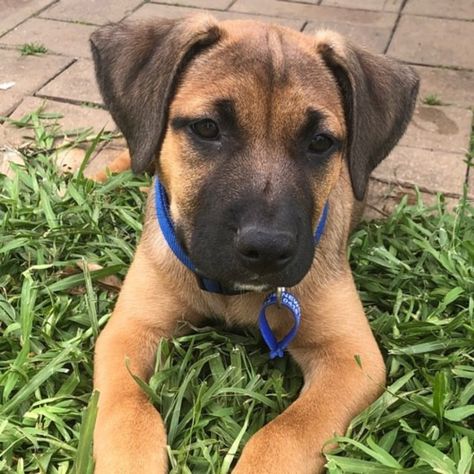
column 276, row 55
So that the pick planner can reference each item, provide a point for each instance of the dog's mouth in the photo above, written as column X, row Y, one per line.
column 253, row 283
column 259, row 284
column 237, row 278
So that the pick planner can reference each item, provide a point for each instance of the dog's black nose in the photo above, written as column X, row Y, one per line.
column 265, row 251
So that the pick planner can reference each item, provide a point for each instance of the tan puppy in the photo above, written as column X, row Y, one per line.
column 250, row 128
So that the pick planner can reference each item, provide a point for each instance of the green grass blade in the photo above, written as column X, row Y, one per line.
column 84, row 458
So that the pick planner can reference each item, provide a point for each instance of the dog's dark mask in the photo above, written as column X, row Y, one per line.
column 248, row 127
column 253, row 232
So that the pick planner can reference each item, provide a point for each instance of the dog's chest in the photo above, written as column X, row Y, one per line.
column 244, row 310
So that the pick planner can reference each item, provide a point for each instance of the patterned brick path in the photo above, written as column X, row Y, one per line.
column 436, row 36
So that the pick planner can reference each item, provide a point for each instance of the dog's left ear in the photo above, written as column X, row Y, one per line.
column 379, row 95
column 137, row 66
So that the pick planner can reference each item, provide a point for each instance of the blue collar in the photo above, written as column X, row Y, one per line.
column 284, row 298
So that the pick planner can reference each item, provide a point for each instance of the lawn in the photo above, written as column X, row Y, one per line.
column 64, row 241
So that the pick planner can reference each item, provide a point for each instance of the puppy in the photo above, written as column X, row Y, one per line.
column 262, row 140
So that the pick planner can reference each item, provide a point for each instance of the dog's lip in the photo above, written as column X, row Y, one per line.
column 251, row 284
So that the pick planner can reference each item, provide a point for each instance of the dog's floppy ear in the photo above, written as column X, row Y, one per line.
column 136, row 65
column 379, row 95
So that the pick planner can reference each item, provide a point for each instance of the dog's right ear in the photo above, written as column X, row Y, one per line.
column 136, row 67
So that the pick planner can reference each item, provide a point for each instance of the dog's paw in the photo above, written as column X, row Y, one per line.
column 277, row 449
column 130, row 441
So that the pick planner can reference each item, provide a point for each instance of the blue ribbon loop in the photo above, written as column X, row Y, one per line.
column 288, row 300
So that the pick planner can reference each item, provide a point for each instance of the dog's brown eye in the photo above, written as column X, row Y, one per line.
column 206, row 129
column 320, row 144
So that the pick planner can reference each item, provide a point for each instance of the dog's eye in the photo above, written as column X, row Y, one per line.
column 320, row 144
column 206, row 129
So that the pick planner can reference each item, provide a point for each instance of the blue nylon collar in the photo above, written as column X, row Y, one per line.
column 287, row 300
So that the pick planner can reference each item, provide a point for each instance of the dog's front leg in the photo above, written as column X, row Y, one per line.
column 129, row 436
column 344, row 372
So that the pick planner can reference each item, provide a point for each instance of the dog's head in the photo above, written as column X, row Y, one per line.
column 248, row 126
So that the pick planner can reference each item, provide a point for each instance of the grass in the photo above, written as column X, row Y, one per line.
column 33, row 49
column 215, row 388
column 432, row 99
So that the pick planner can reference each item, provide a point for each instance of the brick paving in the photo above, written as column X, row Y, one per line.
column 434, row 35
column 17, row 69
column 15, row 12
column 439, row 128
column 382, row 5
column 96, row 12
column 434, row 41
column 150, row 10
column 76, row 84
column 428, row 169
column 61, row 38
